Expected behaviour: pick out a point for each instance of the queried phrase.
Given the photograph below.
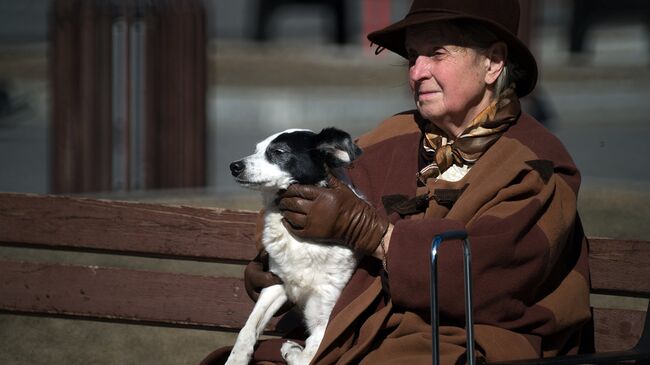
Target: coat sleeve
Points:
(517, 240)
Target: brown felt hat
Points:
(500, 16)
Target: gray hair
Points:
(475, 35)
(503, 81)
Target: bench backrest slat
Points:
(131, 295)
(617, 329)
(122, 227)
(620, 266)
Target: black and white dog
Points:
(313, 274)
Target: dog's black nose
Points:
(236, 168)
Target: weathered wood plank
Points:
(617, 329)
(620, 265)
(122, 294)
(149, 229)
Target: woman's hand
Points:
(257, 276)
(334, 214)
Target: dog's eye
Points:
(278, 151)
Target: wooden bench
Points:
(618, 268)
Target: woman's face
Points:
(448, 80)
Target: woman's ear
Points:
(496, 56)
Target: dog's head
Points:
(295, 156)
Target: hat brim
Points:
(393, 36)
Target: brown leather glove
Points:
(334, 215)
(257, 276)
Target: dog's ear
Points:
(337, 147)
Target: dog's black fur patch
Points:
(307, 155)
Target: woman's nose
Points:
(421, 68)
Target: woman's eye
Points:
(437, 52)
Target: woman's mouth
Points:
(425, 95)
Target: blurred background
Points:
(151, 100)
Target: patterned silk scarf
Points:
(441, 152)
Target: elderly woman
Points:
(467, 157)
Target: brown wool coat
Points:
(529, 256)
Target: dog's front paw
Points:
(291, 352)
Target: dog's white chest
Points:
(305, 268)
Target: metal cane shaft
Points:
(435, 320)
(469, 313)
(467, 276)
